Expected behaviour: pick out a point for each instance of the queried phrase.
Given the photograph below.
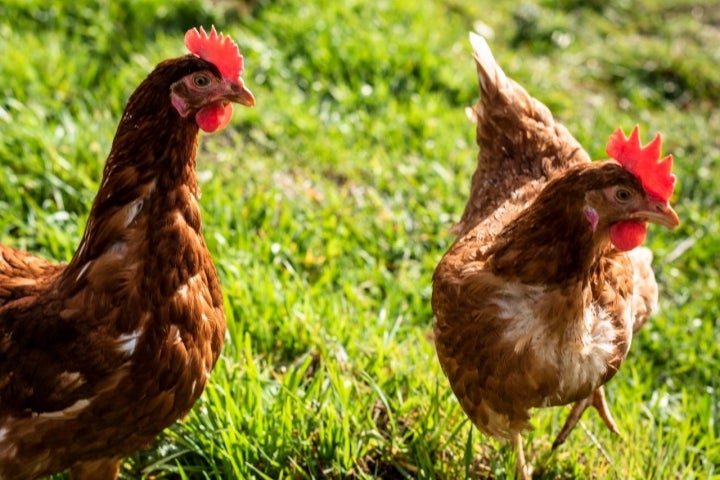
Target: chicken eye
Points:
(622, 195)
(201, 81)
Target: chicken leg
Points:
(595, 399)
(523, 470)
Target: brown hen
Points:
(537, 300)
(99, 356)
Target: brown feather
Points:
(534, 306)
(99, 356)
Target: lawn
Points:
(328, 205)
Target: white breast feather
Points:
(582, 363)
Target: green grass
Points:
(328, 205)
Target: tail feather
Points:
(490, 75)
(521, 144)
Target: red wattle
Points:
(214, 117)
(628, 235)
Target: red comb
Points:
(217, 49)
(643, 162)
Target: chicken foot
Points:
(595, 399)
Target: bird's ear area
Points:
(592, 216)
(180, 105)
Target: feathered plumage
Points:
(535, 303)
(98, 356)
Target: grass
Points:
(328, 205)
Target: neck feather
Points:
(551, 242)
(149, 177)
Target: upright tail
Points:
(491, 77)
(518, 137)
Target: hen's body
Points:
(533, 307)
(99, 356)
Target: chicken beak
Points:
(662, 213)
(239, 93)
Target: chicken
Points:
(98, 356)
(538, 298)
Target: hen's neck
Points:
(148, 179)
(550, 243)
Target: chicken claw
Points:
(595, 399)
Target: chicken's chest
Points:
(183, 340)
(172, 321)
(185, 321)
(563, 346)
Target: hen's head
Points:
(212, 82)
(635, 190)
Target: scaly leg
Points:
(522, 470)
(597, 400)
